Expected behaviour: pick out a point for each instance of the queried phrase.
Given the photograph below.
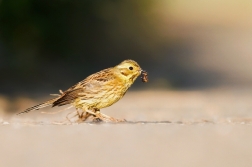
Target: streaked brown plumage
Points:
(99, 90)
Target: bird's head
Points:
(128, 70)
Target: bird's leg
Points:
(93, 113)
(102, 117)
(84, 117)
(98, 116)
(96, 119)
(79, 116)
(111, 119)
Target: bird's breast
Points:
(107, 95)
(111, 96)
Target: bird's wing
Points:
(85, 89)
(67, 97)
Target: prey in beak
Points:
(144, 76)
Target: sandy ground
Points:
(165, 128)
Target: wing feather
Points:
(85, 89)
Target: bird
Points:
(99, 90)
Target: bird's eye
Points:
(131, 68)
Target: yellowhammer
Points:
(99, 90)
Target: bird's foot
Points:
(102, 117)
(97, 120)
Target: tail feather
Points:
(39, 106)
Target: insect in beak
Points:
(144, 76)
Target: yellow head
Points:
(128, 70)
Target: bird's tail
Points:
(39, 106)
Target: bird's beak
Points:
(140, 71)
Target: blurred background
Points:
(51, 45)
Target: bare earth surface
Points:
(164, 128)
